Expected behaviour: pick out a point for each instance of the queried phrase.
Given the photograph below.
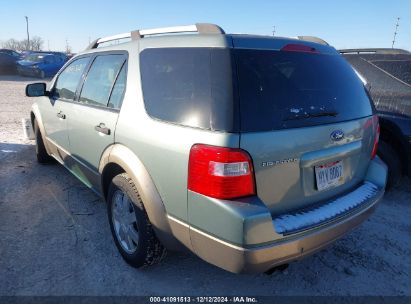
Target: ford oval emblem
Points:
(337, 135)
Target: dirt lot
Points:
(55, 239)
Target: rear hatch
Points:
(306, 120)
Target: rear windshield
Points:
(280, 90)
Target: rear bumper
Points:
(262, 258)
(243, 236)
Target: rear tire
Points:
(387, 153)
(41, 152)
(130, 226)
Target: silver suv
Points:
(250, 151)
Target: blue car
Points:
(41, 64)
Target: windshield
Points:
(280, 90)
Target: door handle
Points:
(102, 129)
(61, 115)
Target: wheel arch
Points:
(392, 135)
(119, 159)
(36, 115)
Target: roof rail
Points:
(201, 28)
(374, 51)
(313, 39)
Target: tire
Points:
(387, 153)
(41, 152)
(130, 226)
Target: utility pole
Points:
(68, 47)
(48, 44)
(28, 36)
(274, 30)
(396, 32)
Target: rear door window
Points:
(118, 90)
(280, 90)
(100, 79)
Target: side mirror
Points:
(36, 89)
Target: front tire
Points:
(41, 152)
(131, 229)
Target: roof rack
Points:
(313, 39)
(374, 51)
(201, 28)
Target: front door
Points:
(55, 109)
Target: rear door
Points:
(306, 122)
(93, 118)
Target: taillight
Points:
(223, 173)
(377, 136)
(299, 48)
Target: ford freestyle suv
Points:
(387, 73)
(250, 151)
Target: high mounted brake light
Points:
(299, 48)
(218, 172)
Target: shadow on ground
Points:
(55, 240)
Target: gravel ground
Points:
(55, 239)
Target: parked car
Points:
(8, 63)
(40, 64)
(251, 151)
(11, 52)
(62, 55)
(388, 74)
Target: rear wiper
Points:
(310, 115)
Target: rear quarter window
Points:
(189, 86)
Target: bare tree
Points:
(36, 44)
(13, 44)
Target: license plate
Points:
(329, 175)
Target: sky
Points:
(343, 24)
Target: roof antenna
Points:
(396, 32)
